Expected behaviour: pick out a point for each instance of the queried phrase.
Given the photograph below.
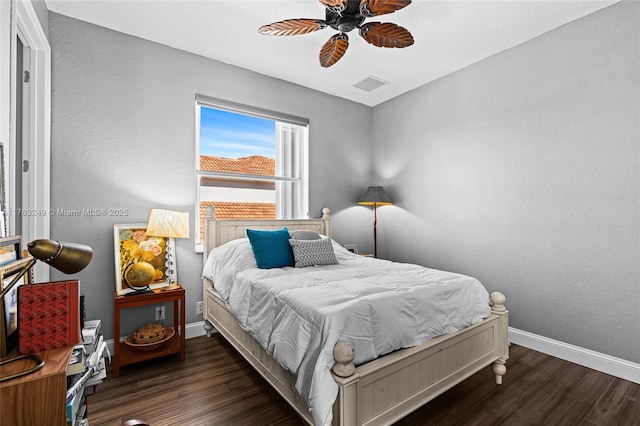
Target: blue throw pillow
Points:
(271, 248)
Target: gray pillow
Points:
(305, 235)
(313, 252)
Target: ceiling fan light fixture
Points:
(346, 24)
(344, 16)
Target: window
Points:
(251, 163)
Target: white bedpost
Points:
(326, 216)
(343, 355)
(499, 369)
(210, 211)
(497, 301)
(210, 215)
(343, 370)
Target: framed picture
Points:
(353, 248)
(132, 247)
(10, 249)
(9, 304)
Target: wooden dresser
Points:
(39, 398)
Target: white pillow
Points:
(305, 235)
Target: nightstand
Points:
(124, 354)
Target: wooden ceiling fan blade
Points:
(386, 35)
(292, 27)
(369, 8)
(336, 6)
(334, 49)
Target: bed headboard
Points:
(218, 232)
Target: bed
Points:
(375, 392)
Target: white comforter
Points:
(299, 314)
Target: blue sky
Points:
(232, 135)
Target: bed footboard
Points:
(384, 390)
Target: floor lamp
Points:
(375, 196)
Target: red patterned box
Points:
(48, 316)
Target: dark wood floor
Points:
(215, 386)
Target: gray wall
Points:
(523, 170)
(123, 138)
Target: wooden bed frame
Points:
(383, 390)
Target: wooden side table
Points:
(124, 354)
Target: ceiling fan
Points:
(344, 16)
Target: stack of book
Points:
(82, 379)
(91, 331)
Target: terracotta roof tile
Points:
(237, 210)
(253, 165)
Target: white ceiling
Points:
(449, 35)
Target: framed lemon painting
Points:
(141, 259)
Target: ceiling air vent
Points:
(370, 83)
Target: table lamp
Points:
(168, 224)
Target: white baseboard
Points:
(618, 367)
(195, 329)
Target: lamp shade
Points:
(375, 195)
(68, 258)
(167, 223)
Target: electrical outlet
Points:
(198, 308)
(159, 313)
